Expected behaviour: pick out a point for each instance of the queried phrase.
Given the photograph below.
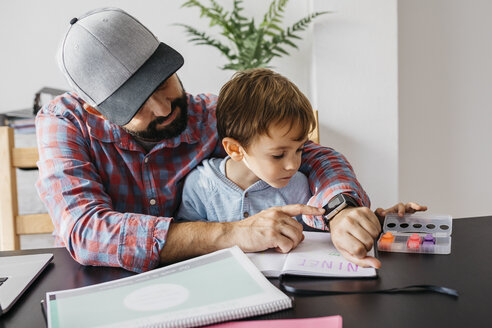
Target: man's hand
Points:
(272, 228)
(353, 232)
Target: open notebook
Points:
(216, 287)
(315, 256)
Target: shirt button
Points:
(245, 194)
(152, 201)
(246, 214)
(146, 160)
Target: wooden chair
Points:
(314, 136)
(11, 223)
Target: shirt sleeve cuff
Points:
(320, 200)
(142, 240)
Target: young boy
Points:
(263, 121)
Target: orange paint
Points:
(386, 240)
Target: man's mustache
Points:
(179, 102)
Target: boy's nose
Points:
(291, 165)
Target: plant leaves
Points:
(250, 45)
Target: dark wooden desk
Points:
(468, 269)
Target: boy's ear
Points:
(233, 148)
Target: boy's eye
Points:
(278, 156)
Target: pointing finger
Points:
(298, 209)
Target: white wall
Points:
(403, 88)
(355, 67)
(30, 32)
(354, 61)
(445, 105)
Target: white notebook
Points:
(221, 286)
(315, 256)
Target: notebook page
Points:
(317, 256)
(269, 262)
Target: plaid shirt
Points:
(111, 202)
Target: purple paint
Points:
(428, 243)
(429, 239)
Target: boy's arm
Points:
(353, 229)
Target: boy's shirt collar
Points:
(258, 185)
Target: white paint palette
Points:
(416, 233)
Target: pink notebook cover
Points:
(325, 322)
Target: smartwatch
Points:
(335, 205)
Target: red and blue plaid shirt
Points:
(111, 202)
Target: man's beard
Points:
(173, 129)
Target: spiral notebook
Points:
(221, 286)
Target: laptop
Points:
(17, 273)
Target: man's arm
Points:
(82, 212)
(353, 229)
(329, 173)
(271, 228)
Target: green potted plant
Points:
(244, 43)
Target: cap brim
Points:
(125, 102)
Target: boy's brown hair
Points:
(257, 98)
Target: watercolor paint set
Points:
(416, 233)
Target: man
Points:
(113, 155)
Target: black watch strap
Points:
(337, 204)
(350, 201)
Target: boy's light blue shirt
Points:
(208, 195)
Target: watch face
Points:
(335, 201)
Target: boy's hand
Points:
(272, 228)
(401, 209)
(353, 232)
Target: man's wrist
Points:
(189, 239)
(336, 205)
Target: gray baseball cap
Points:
(114, 63)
